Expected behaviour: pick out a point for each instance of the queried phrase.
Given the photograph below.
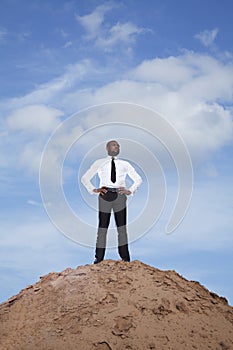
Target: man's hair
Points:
(108, 143)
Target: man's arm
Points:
(89, 174)
(137, 180)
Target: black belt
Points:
(112, 189)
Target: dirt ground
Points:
(116, 305)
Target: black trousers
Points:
(116, 202)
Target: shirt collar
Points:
(110, 157)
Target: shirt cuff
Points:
(90, 190)
(132, 190)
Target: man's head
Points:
(113, 148)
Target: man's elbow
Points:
(83, 180)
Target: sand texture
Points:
(116, 306)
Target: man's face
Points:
(113, 148)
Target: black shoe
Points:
(126, 260)
(97, 261)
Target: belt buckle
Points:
(112, 189)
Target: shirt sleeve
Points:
(137, 180)
(89, 174)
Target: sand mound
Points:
(116, 305)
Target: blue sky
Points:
(60, 57)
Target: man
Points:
(113, 194)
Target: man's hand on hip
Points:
(101, 190)
(123, 190)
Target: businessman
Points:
(113, 193)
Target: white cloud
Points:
(207, 37)
(63, 33)
(34, 203)
(207, 129)
(189, 90)
(3, 34)
(35, 118)
(23, 36)
(52, 91)
(67, 44)
(92, 23)
(107, 36)
(200, 76)
(119, 33)
(171, 71)
(29, 127)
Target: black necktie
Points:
(113, 171)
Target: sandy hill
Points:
(116, 305)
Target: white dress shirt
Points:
(102, 167)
